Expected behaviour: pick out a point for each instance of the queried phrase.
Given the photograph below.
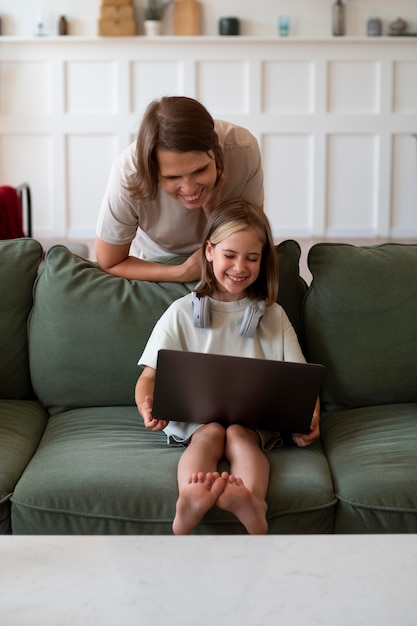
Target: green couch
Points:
(76, 459)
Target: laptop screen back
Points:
(256, 393)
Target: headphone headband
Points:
(250, 322)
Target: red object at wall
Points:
(11, 212)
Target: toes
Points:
(210, 477)
(232, 479)
(236, 480)
(218, 487)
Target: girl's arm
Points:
(144, 397)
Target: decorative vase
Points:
(152, 28)
(338, 15)
(399, 27)
(374, 28)
(229, 26)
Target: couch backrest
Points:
(360, 317)
(19, 262)
(87, 328)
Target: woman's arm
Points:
(115, 259)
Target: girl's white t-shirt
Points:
(274, 339)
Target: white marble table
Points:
(216, 581)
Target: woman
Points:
(163, 188)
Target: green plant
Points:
(155, 9)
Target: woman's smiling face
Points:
(188, 177)
(236, 263)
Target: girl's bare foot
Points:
(248, 508)
(195, 499)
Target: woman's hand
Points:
(190, 270)
(305, 440)
(116, 260)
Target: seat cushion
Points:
(373, 459)
(360, 321)
(19, 262)
(99, 471)
(22, 423)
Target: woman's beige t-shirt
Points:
(163, 226)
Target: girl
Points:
(163, 188)
(239, 271)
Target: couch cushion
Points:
(22, 423)
(373, 458)
(87, 331)
(99, 471)
(88, 328)
(360, 321)
(19, 262)
(291, 286)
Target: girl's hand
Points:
(305, 440)
(212, 200)
(145, 409)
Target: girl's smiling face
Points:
(188, 177)
(236, 262)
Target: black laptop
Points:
(256, 393)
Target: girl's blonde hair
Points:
(177, 124)
(230, 217)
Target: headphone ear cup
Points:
(251, 319)
(201, 311)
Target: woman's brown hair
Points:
(177, 124)
(231, 217)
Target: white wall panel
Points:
(26, 88)
(86, 181)
(289, 191)
(404, 194)
(353, 87)
(335, 118)
(351, 190)
(91, 87)
(153, 79)
(405, 86)
(288, 87)
(223, 86)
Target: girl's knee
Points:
(211, 431)
(215, 428)
(235, 432)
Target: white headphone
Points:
(251, 317)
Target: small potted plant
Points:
(154, 12)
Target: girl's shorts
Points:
(180, 433)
